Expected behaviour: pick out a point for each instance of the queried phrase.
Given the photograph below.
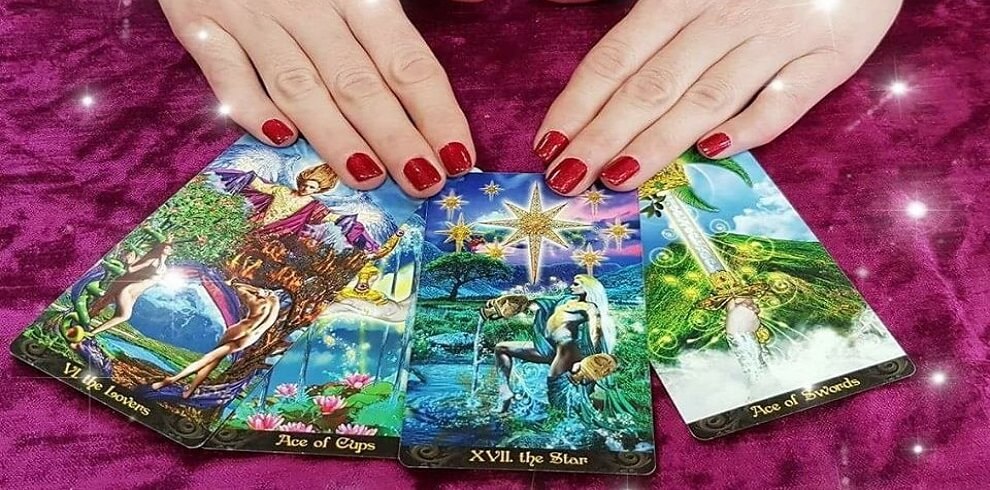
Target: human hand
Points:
(729, 75)
(345, 73)
(742, 316)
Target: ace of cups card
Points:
(528, 347)
(190, 311)
(750, 319)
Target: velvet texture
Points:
(74, 180)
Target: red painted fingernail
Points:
(456, 158)
(564, 177)
(421, 173)
(619, 171)
(277, 131)
(551, 145)
(714, 144)
(362, 167)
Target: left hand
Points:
(676, 72)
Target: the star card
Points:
(339, 390)
(750, 319)
(528, 348)
(190, 310)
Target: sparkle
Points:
(826, 5)
(87, 101)
(594, 197)
(458, 233)
(497, 250)
(172, 281)
(202, 35)
(491, 190)
(535, 225)
(224, 110)
(916, 210)
(938, 378)
(777, 84)
(589, 258)
(451, 202)
(862, 272)
(899, 88)
(917, 449)
(617, 232)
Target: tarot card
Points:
(193, 307)
(749, 318)
(339, 390)
(528, 348)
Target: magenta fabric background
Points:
(73, 181)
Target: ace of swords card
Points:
(190, 311)
(528, 348)
(750, 319)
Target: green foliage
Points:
(461, 268)
(385, 414)
(805, 288)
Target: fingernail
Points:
(362, 167)
(277, 131)
(551, 145)
(714, 144)
(619, 171)
(564, 177)
(456, 158)
(421, 173)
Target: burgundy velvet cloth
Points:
(74, 180)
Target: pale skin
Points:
(742, 316)
(140, 276)
(356, 77)
(262, 313)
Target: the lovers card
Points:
(750, 319)
(190, 311)
(339, 389)
(528, 347)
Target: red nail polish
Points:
(421, 173)
(277, 131)
(714, 144)
(456, 158)
(551, 145)
(619, 171)
(564, 177)
(362, 167)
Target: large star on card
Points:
(535, 225)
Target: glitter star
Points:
(491, 190)
(457, 233)
(497, 250)
(589, 258)
(451, 202)
(594, 197)
(617, 232)
(535, 225)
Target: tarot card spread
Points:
(191, 309)
(339, 389)
(750, 319)
(528, 347)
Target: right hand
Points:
(742, 316)
(343, 72)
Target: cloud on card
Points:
(772, 217)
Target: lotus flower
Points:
(356, 430)
(287, 390)
(329, 404)
(358, 381)
(264, 421)
(296, 427)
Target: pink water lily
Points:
(287, 390)
(358, 381)
(356, 430)
(329, 404)
(296, 427)
(264, 421)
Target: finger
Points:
(796, 89)
(366, 101)
(297, 89)
(718, 95)
(229, 72)
(417, 78)
(611, 61)
(643, 99)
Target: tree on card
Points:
(461, 268)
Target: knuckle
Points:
(357, 83)
(296, 83)
(651, 88)
(711, 94)
(413, 66)
(610, 60)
